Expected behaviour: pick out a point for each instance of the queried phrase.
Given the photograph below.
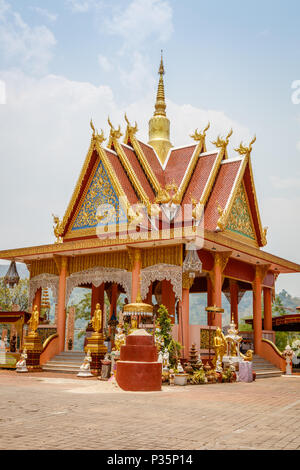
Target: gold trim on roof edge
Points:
(218, 238)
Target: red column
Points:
(217, 289)
(61, 311)
(168, 298)
(148, 299)
(136, 273)
(185, 327)
(234, 301)
(209, 292)
(97, 298)
(113, 303)
(37, 299)
(267, 308)
(257, 317)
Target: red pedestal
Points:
(137, 368)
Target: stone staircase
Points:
(66, 362)
(265, 369)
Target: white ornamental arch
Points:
(160, 272)
(42, 281)
(97, 276)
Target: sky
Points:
(62, 62)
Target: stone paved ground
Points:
(54, 411)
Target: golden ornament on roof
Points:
(242, 150)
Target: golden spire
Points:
(160, 105)
(159, 124)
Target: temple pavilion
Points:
(163, 221)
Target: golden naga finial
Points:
(222, 144)
(57, 229)
(264, 236)
(242, 150)
(200, 137)
(130, 130)
(114, 133)
(100, 137)
(93, 128)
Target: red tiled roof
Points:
(177, 164)
(153, 162)
(136, 166)
(221, 191)
(199, 177)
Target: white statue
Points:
(165, 360)
(199, 361)
(180, 368)
(288, 355)
(160, 357)
(85, 368)
(21, 364)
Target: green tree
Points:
(17, 295)
(278, 308)
(165, 324)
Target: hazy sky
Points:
(65, 61)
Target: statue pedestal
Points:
(137, 368)
(34, 347)
(95, 344)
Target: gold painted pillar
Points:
(136, 273)
(267, 308)
(61, 310)
(234, 301)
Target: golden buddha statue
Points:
(34, 319)
(97, 319)
(220, 345)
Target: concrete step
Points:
(266, 374)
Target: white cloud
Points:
(80, 6)
(104, 63)
(45, 13)
(141, 20)
(30, 47)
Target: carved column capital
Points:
(187, 281)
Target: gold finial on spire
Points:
(160, 105)
(159, 124)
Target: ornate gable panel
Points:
(240, 219)
(100, 192)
